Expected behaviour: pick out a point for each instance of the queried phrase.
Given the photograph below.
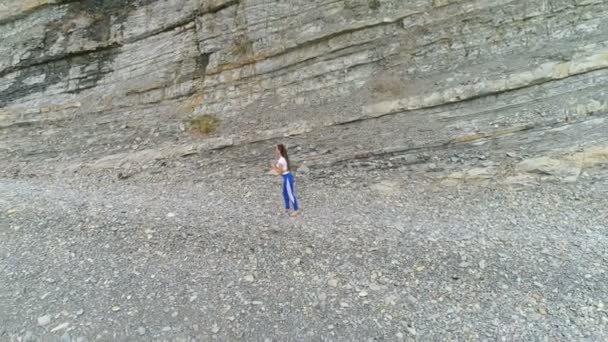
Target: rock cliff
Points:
(104, 81)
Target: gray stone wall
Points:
(99, 77)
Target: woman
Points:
(282, 168)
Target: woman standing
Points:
(282, 167)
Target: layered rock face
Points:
(99, 78)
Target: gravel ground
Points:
(385, 256)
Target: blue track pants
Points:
(289, 195)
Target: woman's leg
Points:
(285, 193)
(291, 191)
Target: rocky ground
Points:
(452, 163)
(380, 254)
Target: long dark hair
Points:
(283, 152)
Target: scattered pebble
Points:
(44, 320)
(60, 326)
(375, 287)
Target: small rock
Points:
(304, 169)
(115, 308)
(363, 294)
(60, 326)
(123, 175)
(44, 320)
(189, 152)
(171, 215)
(65, 337)
(249, 278)
(29, 336)
(79, 312)
(332, 282)
(141, 330)
(215, 328)
(432, 167)
(296, 261)
(375, 287)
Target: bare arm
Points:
(275, 168)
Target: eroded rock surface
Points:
(82, 81)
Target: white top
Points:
(282, 165)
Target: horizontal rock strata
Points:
(99, 80)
